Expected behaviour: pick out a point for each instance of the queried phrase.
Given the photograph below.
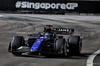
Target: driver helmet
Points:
(48, 35)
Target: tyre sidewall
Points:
(74, 45)
(17, 42)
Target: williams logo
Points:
(37, 5)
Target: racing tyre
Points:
(75, 45)
(65, 49)
(16, 43)
(59, 43)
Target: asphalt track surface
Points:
(88, 27)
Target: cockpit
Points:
(49, 36)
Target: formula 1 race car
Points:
(50, 41)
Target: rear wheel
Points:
(16, 43)
(75, 45)
(59, 43)
(65, 49)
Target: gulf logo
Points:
(38, 41)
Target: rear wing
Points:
(64, 31)
(49, 25)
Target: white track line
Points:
(1, 15)
(91, 58)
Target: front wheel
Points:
(16, 43)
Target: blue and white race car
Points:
(50, 41)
